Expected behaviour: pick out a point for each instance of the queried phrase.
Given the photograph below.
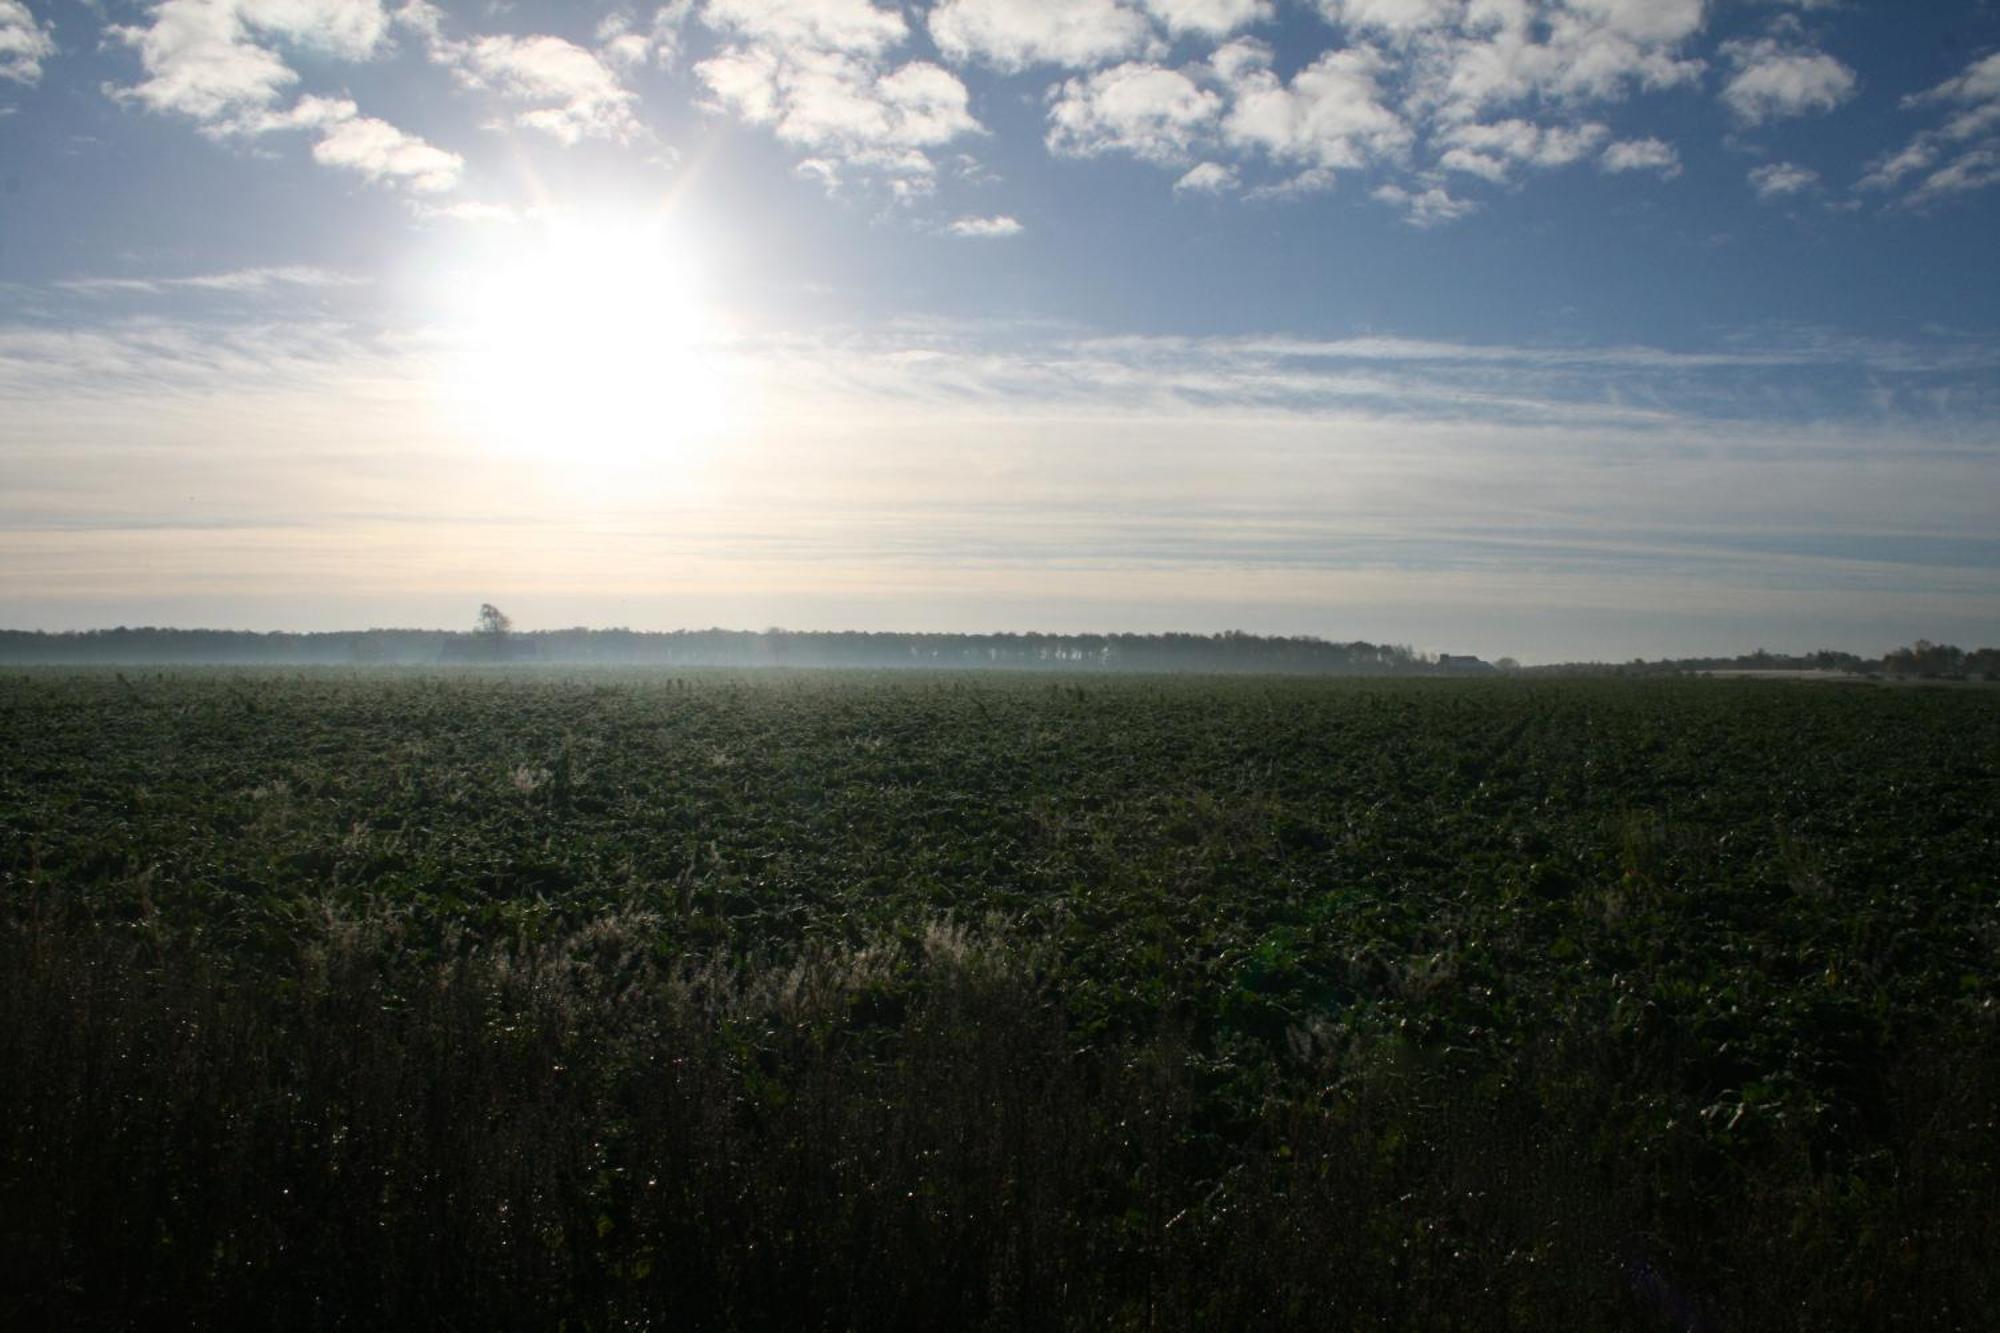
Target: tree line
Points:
(496, 641)
(1920, 660)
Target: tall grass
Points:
(377, 1126)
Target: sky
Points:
(1558, 329)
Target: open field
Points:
(856, 1000)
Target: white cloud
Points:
(1209, 18)
(816, 73)
(1577, 473)
(625, 44)
(1456, 70)
(236, 281)
(211, 60)
(1967, 143)
(1776, 180)
(1153, 113)
(570, 93)
(744, 82)
(1776, 80)
(1330, 116)
(24, 43)
(1492, 150)
(1396, 18)
(1980, 83)
(1919, 154)
(1207, 178)
(1974, 169)
(206, 58)
(373, 148)
(1484, 88)
(1014, 34)
(991, 228)
(1494, 53)
(841, 106)
(1642, 155)
(1427, 206)
(857, 27)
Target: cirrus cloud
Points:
(1960, 155)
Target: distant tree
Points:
(493, 622)
(1508, 664)
(1924, 658)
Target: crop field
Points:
(903, 1000)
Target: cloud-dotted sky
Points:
(1583, 326)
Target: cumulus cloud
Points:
(1207, 178)
(24, 43)
(1412, 90)
(1481, 88)
(825, 100)
(1330, 116)
(986, 229)
(207, 58)
(373, 148)
(1425, 206)
(1011, 35)
(567, 91)
(1153, 113)
(856, 27)
(1209, 18)
(1959, 155)
(625, 43)
(1641, 155)
(1775, 79)
(1492, 150)
(217, 62)
(559, 88)
(847, 110)
(818, 74)
(1776, 180)
(1396, 18)
(1466, 60)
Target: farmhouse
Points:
(1466, 665)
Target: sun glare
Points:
(584, 341)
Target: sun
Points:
(584, 340)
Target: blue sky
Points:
(1554, 328)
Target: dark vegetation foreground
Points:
(893, 1001)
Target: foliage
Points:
(851, 1000)
(493, 622)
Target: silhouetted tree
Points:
(493, 621)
